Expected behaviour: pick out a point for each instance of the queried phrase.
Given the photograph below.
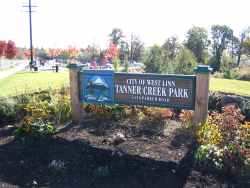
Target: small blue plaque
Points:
(98, 86)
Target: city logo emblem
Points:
(98, 86)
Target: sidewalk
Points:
(25, 67)
(13, 70)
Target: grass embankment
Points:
(237, 87)
(26, 81)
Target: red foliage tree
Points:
(11, 50)
(3, 47)
(112, 51)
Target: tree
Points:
(21, 54)
(222, 37)
(126, 65)
(93, 51)
(28, 53)
(11, 50)
(241, 48)
(112, 51)
(154, 60)
(185, 61)
(3, 47)
(246, 46)
(136, 48)
(71, 53)
(171, 46)
(118, 38)
(197, 42)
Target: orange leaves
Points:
(53, 52)
(28, 53)
(71, 52)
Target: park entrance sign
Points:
(107, 87)
(160, 90)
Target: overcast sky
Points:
(83, 22)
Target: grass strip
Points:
(236, 87)
(23, 81)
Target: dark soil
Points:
(159, 154)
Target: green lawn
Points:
(29, 81)
(237, 87)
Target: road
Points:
(4, 64)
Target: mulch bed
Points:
(159, 154)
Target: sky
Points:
(83, 22)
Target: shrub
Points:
(101, 171)
(61, 104)
(217, 74)
(229, 119)
(243, 74)
(187, 117)
(98, 109)
(159, 113)
(213, 100)
(7, 110)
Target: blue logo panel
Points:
(98, 86)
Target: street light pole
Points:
(31, 51)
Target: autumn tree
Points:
(93, 51)
(11, 50)
(113, 53)
(28, 53)
(21, 53)
(71, 53)
(197, 42)
(3, 47)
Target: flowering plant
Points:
(56, 166)
(119, 153)
(118, 138)
(224, 142)
(34, 125)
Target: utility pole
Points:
(31, 51)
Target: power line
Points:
(31, 51)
